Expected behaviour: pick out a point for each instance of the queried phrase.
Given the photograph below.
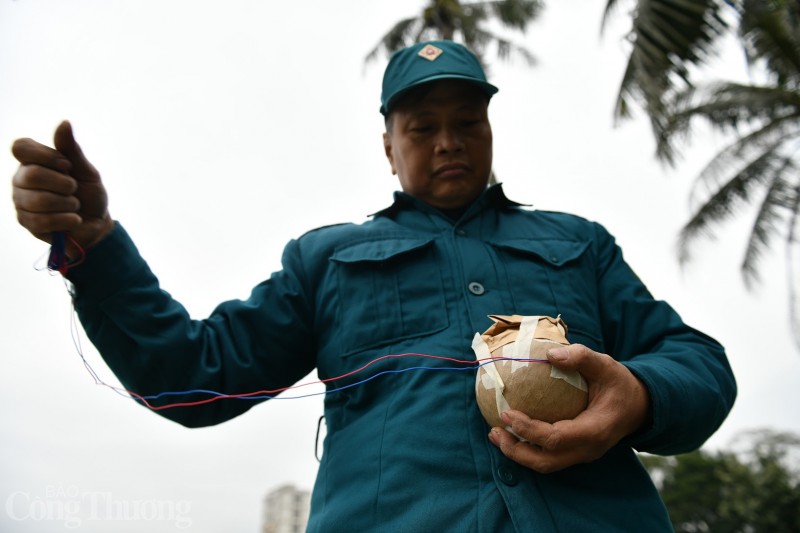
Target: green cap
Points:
(430, 61)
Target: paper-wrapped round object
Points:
(519, 375)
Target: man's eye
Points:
(421, 129)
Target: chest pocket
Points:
(555, 276)
(388, 290)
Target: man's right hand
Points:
(59, 190)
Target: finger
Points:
(43, 225)
(532, 456)
(66, 144)
(555, 446)
(543, 434)
(585, 432)
(39, 201)
(30, 152)
(35, 177)
(590, 364)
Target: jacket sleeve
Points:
(153, 346)
(687, 374)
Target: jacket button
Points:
(476, 288)
(507, 476)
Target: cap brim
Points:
(488, 89)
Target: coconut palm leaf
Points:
(731, 108)
(793, 265)
(402, 32)
(758, 160)
(724, 200)
(465, 22)
(769, 32)
(774, 139)
(667, 38)
(759, 167)
(516, 14)
(479, 39)
(770, 218)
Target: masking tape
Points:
(571, 377)
(491, 379)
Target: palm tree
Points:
(760, 166)
(465, 22)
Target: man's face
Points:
(440, 145)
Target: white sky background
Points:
(223, 129)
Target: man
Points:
(409, 451)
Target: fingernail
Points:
(557, 354)
(494, 435)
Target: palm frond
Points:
(608, 13)
(480, 39)
(771, 213)
(742, 153)
(728, 107)
(770, 32)
(725, 199)
(516, 14)
(397, 37)
(793, 264)
(761, 165)
(464, 21)
(470, 29)
(667, 37)
(627, 94)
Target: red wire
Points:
(274, 392)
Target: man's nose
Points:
(449, 140)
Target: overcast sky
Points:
(222, 130)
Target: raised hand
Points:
(59, 190)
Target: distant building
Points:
(286, 510)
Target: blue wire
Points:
(338, 389)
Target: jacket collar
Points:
(492, 197)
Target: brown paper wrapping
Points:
(537, 388)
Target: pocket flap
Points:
(379, 250)
(557, 252)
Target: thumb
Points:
(91, 193)
(65, 143)
(578, 357)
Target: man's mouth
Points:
(450, 170)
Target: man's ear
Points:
(387, 148)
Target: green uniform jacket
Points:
(408, 451)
